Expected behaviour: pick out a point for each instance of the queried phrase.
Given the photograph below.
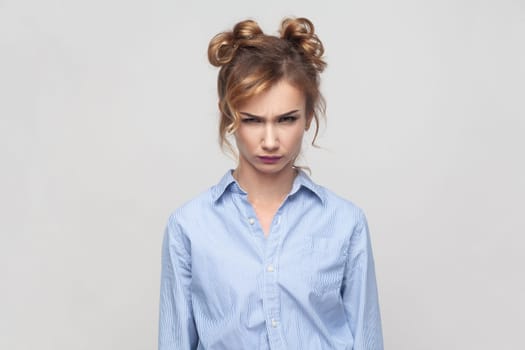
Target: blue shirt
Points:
(310, 284)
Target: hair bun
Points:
(223, 46)
(301, 32)
(246, 30)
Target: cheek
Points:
(297, 141)
(243, 139)
(299, 136)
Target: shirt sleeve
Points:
(359, 291)
(176, 323)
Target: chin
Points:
(272, 169)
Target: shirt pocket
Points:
(324, 264)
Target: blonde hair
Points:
(251, 62)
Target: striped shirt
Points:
(310, 284)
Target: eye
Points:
(250, 120)
(288, 119)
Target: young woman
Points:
(267, 259)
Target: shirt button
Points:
(251, 221)
(270, 268)
(274, 323)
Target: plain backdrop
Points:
(108, 119)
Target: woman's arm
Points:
(176, 323)
(359, 291)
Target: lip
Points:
(269, 159)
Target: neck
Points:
(265, 188)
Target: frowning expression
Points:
(270, 134)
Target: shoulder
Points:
(192, 209)
(344, 206)
(351, 218)
(338, 210)
(198, 214)
(183, 220)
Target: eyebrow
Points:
(278, 116)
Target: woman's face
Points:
(270, 134)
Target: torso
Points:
(308, 253)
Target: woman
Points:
(267, 259)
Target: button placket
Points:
(271, 299)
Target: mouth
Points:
(269, 159)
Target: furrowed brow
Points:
(279, 116)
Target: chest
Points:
(303, 253)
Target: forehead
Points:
(280, 98)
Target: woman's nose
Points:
(270, 141)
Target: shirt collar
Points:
(303, 180)
(228, 182)
(218, 190)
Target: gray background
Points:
(108, 123)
